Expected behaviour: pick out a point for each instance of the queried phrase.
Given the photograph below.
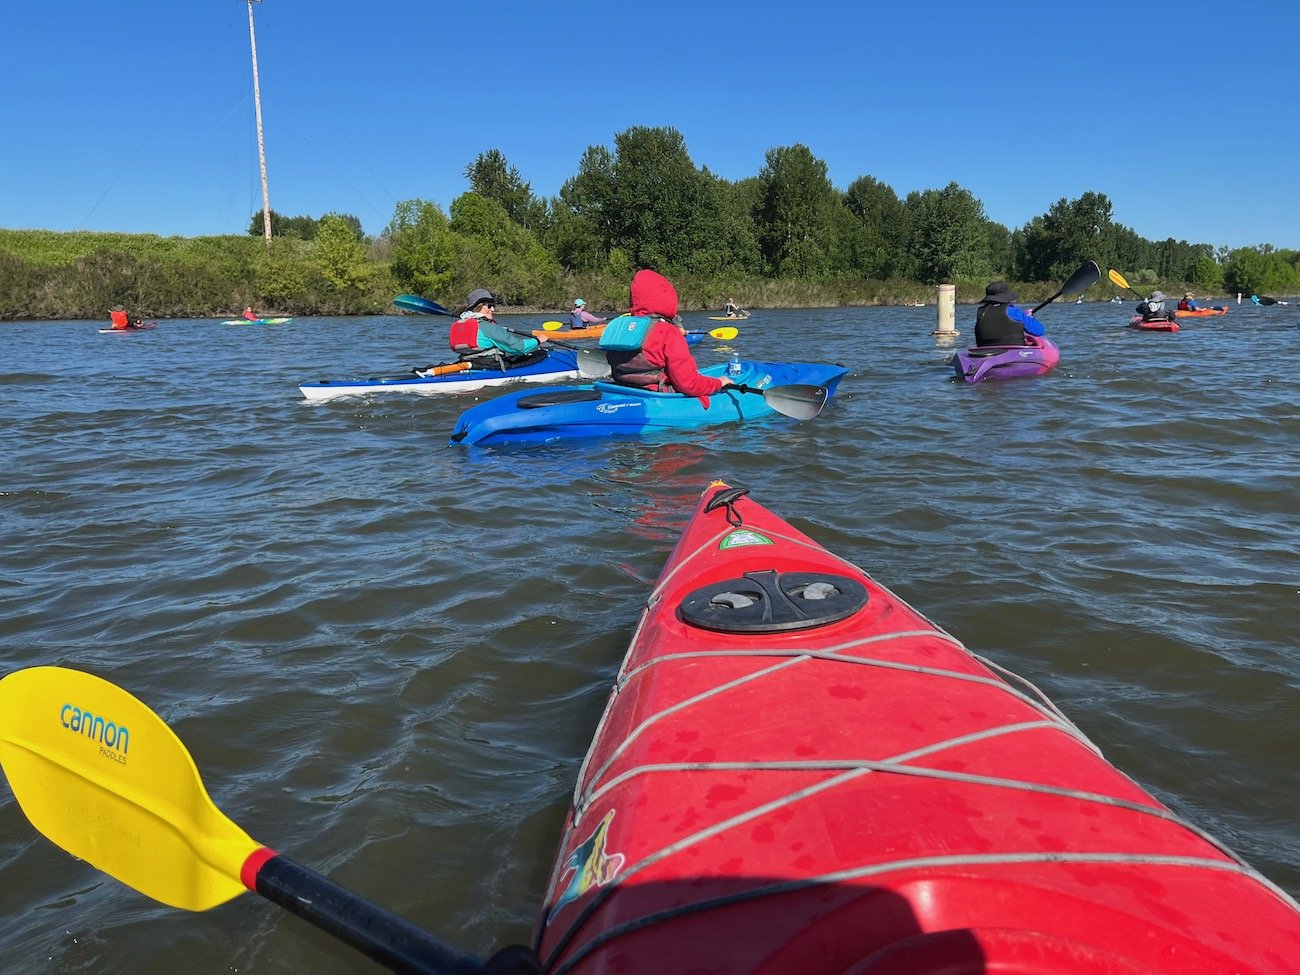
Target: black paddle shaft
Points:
(1080, 280)
(390, 940)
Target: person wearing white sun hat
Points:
(1153, 309)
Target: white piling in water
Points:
(947, 304)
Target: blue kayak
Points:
(605, 409)
(550, 365)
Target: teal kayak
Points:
(605, 409)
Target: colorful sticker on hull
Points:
(590, 866)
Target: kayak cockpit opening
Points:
(557, 397)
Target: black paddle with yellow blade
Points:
(102, 776)
(1121, 281)
(1078, 282)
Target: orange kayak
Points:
(1203, 312)
(569, 334)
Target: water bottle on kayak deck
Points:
(733, 367)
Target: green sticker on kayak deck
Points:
(743, 536)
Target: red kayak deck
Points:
(796, 772)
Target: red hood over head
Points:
(653, 294)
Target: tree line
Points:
(784, 237)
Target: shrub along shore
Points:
(48, 275)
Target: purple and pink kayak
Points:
(1036, 357)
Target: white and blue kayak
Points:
(551, 365)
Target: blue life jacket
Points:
(626, 333)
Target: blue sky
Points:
(137, 115)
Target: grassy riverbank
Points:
(81, 275)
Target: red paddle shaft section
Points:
(248, 872)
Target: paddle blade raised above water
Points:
(1081, 280)
(421, 306)
(102, 776)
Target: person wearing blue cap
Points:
(579, 317)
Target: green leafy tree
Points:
(1246, 271)
(883, 226)
(582, 227)
(339, 256)
(1207, 274)
(796, 214)
(719, 238)
(1001, 250)
(421, 247)
(1071, 232)
(1259, 271)
(732, 228)
(947, 235)
(495, 252)
(492, 177)
(661, 210)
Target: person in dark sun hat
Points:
(476, 336)
(999, 322)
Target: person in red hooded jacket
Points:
(664, 361)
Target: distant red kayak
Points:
(1157, 326)
(796, 772)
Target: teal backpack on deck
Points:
(626, 333)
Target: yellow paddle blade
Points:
(552, 326)
(99, 774)
(1118, 278)
(725, 333)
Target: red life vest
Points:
(464, 336)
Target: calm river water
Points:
(387, 655)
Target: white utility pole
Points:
(261, 146)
